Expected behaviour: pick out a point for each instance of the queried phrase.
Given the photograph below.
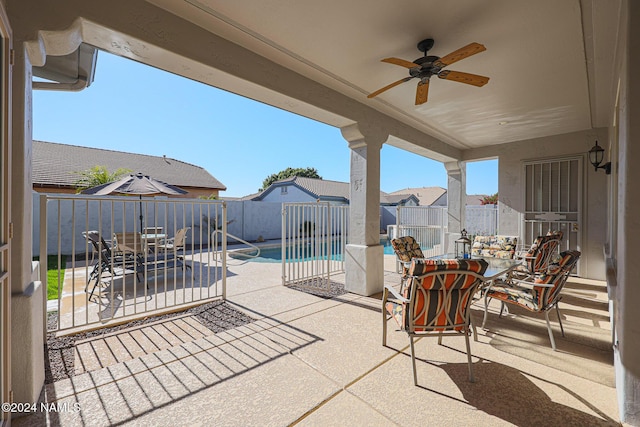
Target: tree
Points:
(97, 175)
(489, 200)
(209, 197)
(287, 173)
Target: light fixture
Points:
(596, 155)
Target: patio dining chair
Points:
(108, 265)
(435, 302)
(129, 243)
(406, 248)
(539, 293)
(176, 242)
(539, 256)
(147, 261)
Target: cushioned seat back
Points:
(406, 248)
(440, 293)
(540, 254)
(556, 274)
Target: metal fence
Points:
(314, 238)
(127, 257)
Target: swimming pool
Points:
(274, 254)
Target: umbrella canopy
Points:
(139, 184)
(134, 184)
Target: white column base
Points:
(364, 269)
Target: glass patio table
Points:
(497, 266)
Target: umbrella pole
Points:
(141, 213)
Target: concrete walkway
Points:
(313, 361)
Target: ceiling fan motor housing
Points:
(426, 68)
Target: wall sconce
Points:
(596, 155)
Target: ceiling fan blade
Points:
(458, 76)
(400, 62)
(387, 87)
(422, 92)
(463, 52)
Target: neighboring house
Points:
(436, 196)
(427, 196)
(55, 168)
(300, 189)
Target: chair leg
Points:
(553, 341)
(384, 318)
(440, 338)
(473, 326)
(466, 339)
(413, 361)
(486, 309)
(559, 319)
(501, 308)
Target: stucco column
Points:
(456, 200)
(28, 295)
(364, 255)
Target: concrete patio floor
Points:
(313, 361)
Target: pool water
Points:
(274, 254)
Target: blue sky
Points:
(135, 108)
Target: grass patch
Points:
(53, 274)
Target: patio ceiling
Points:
(550, 62)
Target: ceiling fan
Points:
(428, 65)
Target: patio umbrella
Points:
(139, 184)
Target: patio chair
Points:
(435, 302)
(406, 248)
(539, 256)
(174, 243)
(539, 293)
(131, 243)
(108, 265)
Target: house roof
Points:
(55, 164)
(426, 195)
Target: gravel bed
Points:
(218, 316)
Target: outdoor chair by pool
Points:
(176, 242)
(435, 302)
(146, 261)
(539, 293)
(406, 248)
(129, 243)
(109, 265)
